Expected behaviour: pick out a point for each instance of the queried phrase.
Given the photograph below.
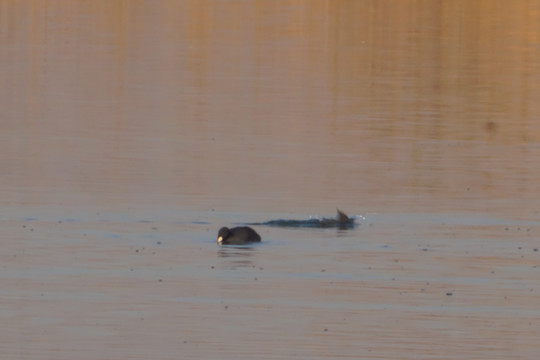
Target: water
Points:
(131, 132)
(397, 286)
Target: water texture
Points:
(130, 132)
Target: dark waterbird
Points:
(237, 236)
(341, 221)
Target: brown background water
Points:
(131, 131)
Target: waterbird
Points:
(237, 236)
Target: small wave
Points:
(341, 221)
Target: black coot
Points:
(237, 236)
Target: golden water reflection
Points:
(356, 104)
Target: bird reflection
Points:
(238, 256)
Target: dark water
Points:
(132, 131)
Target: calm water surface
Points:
(132, 131)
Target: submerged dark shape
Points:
(237, 236)
(341, 221)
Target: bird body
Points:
(237, 236)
